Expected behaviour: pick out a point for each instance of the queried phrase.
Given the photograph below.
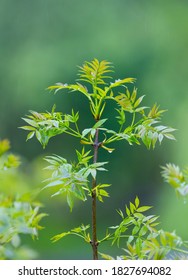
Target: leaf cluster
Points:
(17, 217)
(49, 124)
(72, 179)
(144, 125)
(139, 233)
(8, 160)
(176, 178)
(80, 231)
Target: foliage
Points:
(176, 178)
(72, 179)
(18, 215)
(136, 123)
(142, 238)
(10, 160)
(143, 126)
(79, 231)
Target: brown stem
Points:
(94, 242)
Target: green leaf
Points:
(27, 127)
(100, 192)
(169, 136)
(135, 230)
(81, 228)
(133, 96)
(59, 236)
(138, 246)
(139, 216)
(54, 184)
(130, 239)
(144, 208)
(138, 101)
(128, 211)
(31, 122)
(93, 131)
(98, 164)
(99, 123)
(30, 135)
(152, 219)
(86, 131)
(132, 207)
(121, 118)
(93, 173)
(70, 200)
(120, 213)
(106, 257)
(120, 82)
(137, 202)
(143, 231)
(103, 193)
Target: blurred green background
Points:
(43, 42)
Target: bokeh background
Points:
(43, 42)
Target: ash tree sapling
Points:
(79, 179)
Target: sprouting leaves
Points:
(141, 237)
(66, 179)
(128, 101)
(49, 124)
(176, 178)
(134, 219)
(83, 157)
(143, 124)
(80, 231)
(101, 192)
(93, 168)
(92, 131)
(120, 82)
(17, 216)
(95, 72)
(75, 87)
(155, 113)
(145, 127)
(150, 133)
(71, 179)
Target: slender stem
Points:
(112, 139)
(120, 129)
(94, 241)
(76, 125)
(133, 119)
(73, 132)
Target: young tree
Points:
(79, 180)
